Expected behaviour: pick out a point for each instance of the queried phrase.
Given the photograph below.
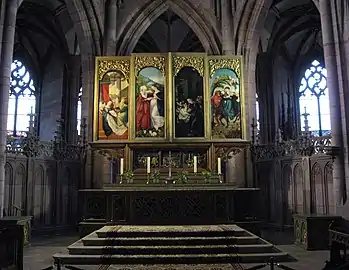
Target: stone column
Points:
(266, 99)
(111, 9)
(6, 54)
(335, 32)
(74, 84)
(227, 28)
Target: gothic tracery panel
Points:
(39, 196)
(298, 189)
(317, 190)
(328, 185)
(19, 189)
(9, 187)
(287, 194)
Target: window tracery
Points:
(22, 100)
(314, 100)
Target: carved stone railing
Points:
(301, 147)
(31, 146)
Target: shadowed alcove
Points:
(169, 33)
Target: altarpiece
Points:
(182, 104)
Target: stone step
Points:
(78, 248)
(170, 231)
(168, 259)
(170, 241)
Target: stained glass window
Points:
(22, 100)
(78, 118)
(314, 100)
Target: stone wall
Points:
(43, 188)
(42, 180)
(293, 183)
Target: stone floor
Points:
(39, 255)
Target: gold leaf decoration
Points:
(219, 63)
(158, 62)
(228, 152)
(122, 65)
(111, 153)
(196, 62)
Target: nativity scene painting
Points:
(113, 107)
(150, 103)
(225, 105)
(189, 104)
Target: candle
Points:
(305, 109)
(121, 166)
(195, 164)
(219, 165)
(148, 164)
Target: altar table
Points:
(170, 205)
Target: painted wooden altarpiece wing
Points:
(112, 99)
(148, 105)
(189, 95)
(226, 98)
(150, 96)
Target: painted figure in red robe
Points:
(143, 121)
(216, 101)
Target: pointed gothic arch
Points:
(141, 22)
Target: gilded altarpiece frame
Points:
(189, 97)
(150, 97)
(111, 100)
(227, 117)
(124, 76)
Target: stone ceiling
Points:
(293, 29)
(44, 27)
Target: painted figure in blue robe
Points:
(231, 105)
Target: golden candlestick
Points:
(220, 175)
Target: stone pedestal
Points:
(311, 231)
(11, 247)
(24, 221)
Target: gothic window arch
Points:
(314, 100)
(22, 100)
(78, 115)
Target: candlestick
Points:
(219, 166)
(121, 166)
(195, 164)
(148, 165)
(148, 178)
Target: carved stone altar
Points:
(23, 222)
(204, 204)
(311, 231)
(159, 118)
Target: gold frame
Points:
(127, 65)
(189, 60)
(135, 68)
(103, 65)
(223, 61)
